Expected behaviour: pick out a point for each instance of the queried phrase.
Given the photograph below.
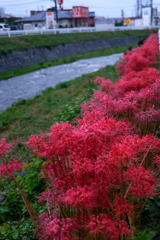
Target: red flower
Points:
(111, 229)
(121, 206)
(4, 147)
(142, 182)
(9, 168)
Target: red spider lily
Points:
(7, 169)
(10, 168)
(101, 171)
(98, 159)
(141, 57)
(4, 147)
(143, 183)
(111, 229)
(135, 97)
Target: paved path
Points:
(31, 84)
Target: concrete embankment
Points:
(22, 58)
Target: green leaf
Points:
(3, 209)
(5, 227)
(158, 203)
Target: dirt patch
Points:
(15, 40)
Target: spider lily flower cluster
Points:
(136, 96)
(101, 172)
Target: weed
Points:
(143, 235)
(17, 230)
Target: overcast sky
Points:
(106, 8)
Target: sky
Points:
(106, 8)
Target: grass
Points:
(37, 115)
(98, 53)
(51, 40)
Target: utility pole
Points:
(151, 6)
(55, 1)
(122, 14)
(139, 8)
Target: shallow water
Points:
(29, 85)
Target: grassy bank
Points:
(61, 103)
(98, 53)
(38, 114)
(50, 40)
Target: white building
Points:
(47, 20)
(146, 16)
(106, 22)
(136, 21)
(2, 13)
(147, 19)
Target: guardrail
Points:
(70, 30)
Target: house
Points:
(75, 17)
(46, 19)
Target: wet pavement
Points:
(31, 84)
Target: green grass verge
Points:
(98, 53)
(37, 115)
(50, 40)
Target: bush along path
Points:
(101, 173)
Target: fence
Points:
(70, 30)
